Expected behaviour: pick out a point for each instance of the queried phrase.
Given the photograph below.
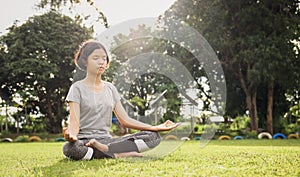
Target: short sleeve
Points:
(115, 94)
(73, 94)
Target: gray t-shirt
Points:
(95, 109)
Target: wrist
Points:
(153, 128)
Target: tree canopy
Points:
(57, 4)
(255, 41)
(38, 64)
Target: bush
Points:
(23, 138)
(4, 133)
(251, 134)
(233, 133)
(43, 135)
(240, 122)
(224, 128)
(291, 128)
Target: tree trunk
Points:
(6, 118)
(18, 124)
(270, 107)
(50, 125)
(251, 106)
(53, 126)
(1, 126)
(250, 93)
(54, 114)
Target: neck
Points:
(93, 79)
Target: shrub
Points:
(43, 135)
(224, 128)
(240, 122)
(233, 133)
(23, 138)
(291, 128)
(251, 134)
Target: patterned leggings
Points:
(138, 142)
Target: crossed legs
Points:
(126, 146)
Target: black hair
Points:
(85, 50)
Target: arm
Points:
(72, 131)
(128, 122)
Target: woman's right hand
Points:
(69, 136)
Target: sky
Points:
(116, 11)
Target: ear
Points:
(84, 62)
(107, 65)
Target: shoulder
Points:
(77, 84)
(74, 93)
(109, 85)
(76, 87)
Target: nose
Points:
(102, 62)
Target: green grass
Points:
(218, 158)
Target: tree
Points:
(39, 63)
(147, 84)
(253, 40)
(57, 4)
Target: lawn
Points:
(217, 158)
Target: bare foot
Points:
(128, 154)
(97, 145)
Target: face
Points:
(97, 62)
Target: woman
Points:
(91, 103)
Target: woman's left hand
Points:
(166, 126)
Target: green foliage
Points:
(144, 87)
(251, 134)
(58, 4)
(256, 41)
(291, 128)
(295, 111)
(240, 123)
(39, 64)
(139, 102)
(224, 129)
(22, 138)
(4, 133)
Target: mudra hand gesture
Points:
(166, 126)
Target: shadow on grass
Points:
(61, 166)
(67, 167)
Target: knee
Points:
(153, 139)
(75, 150)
